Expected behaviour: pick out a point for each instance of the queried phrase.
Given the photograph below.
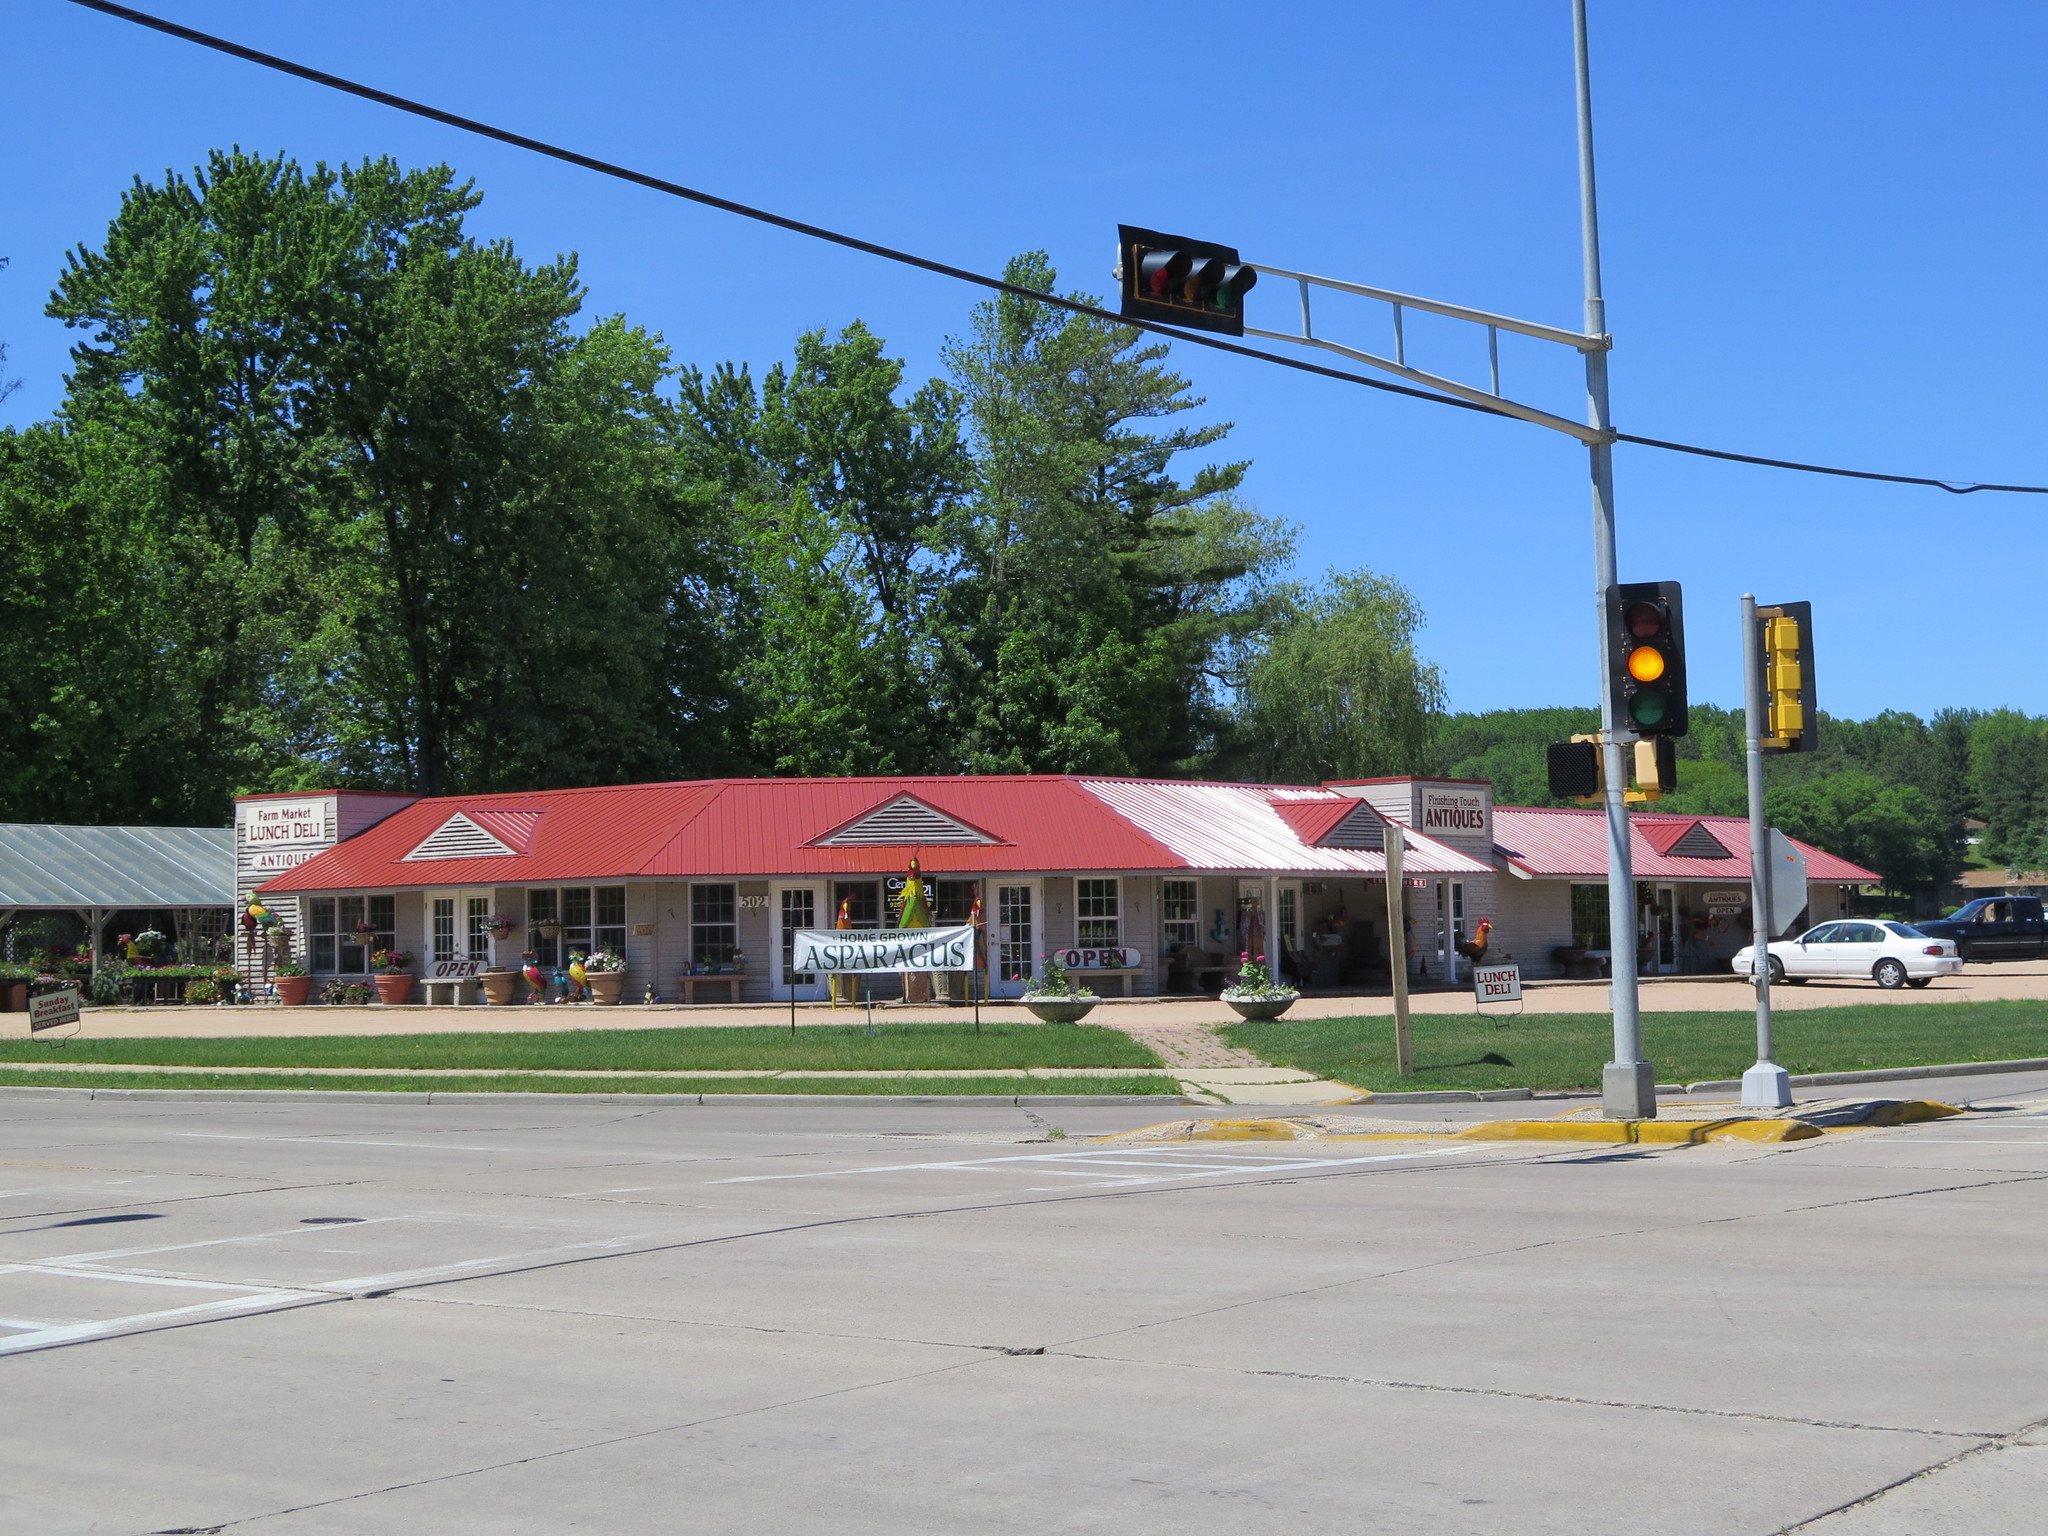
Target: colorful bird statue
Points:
(915, 913)
(579, 978)
(840, 982)
(534, 979)
(264, 916)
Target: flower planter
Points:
(393, 987)
(606, 986)
(1261, 1008)
(1060, 1010)
(293, 991)
(499, 986)
(14, 994)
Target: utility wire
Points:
(888, 253)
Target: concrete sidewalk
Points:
(2015, 980)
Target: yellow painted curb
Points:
(1908, 1111)
(1639, 1132)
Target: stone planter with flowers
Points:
(1254, 994)
(1052, 997)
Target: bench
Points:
(686, 987)
(453, 985)
(1130, 975)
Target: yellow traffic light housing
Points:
(1785, 636)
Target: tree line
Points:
(1916, 800)
(340, 494)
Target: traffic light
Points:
(1176, 281)
(1785, 642)
(1575, 769)
(1644, 634)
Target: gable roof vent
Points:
(905, 819)
(460, 838)
(1698, 843)
(1362, 827)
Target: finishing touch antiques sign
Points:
(1453, 812)
(883, 949)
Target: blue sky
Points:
(1823, 226)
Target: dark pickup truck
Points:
(1993, 928)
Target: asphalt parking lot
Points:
(848, 1317)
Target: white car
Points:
(1890, 954)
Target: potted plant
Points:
(293, 984)
(1254, 994)
(499, 986)
(394, 981)
(499, 926)
(147, 945)
(202, 989)
(1052, 996)
(548, 928)
(605, 974)
(343, 993)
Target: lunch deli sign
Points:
(275, 835)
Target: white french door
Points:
(1012, 926)
(458, 927)
(796, 906)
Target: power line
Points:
(924, 263)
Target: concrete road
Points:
(838, 1317)
(1995, 981)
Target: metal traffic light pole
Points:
(1629, 1090)
(1765, 1085)
(1628, 1085)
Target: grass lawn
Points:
(815, 1047)
(1567, 1050)
(922, 1087)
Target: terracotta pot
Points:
(1053, 1010)
(1261, 1008)
(393, 987)
(607, 986)
(499, 987)
(293, 991)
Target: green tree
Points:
(1337, 691)
(1090, 591)
(2009, 777)
(1891, 828)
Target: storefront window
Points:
(862, 900)
(1589, 917)
(714, 924)
(953, 901)
(336, 926)
(1099, 924)
(586, 919)
(1180, 903)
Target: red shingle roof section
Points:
(1573, 843)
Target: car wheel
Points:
(1890, 975)
(1918, 981)
(1776, 968)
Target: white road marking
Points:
(72, 1333)
(338, 1141)
(402, 1277)
(210, 1242)
(1037, 1162)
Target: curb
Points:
(1666, 1133)
(1885, 1074)
(659, 1100)
(1448, 1096)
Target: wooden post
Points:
(1397, 950)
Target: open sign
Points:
(454, 970)
(1497, 983)
(1114, 959)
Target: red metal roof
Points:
(1569, 842)
(732, 828)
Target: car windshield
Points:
(1906, 930)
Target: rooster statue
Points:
(1474, 948)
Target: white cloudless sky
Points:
(1823, 226)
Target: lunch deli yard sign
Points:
(884, 949)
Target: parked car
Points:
(1993, 928)
(1890, 954)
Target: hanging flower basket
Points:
(548, 930)
(499, 926)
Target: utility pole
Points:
(1765, 1085)
(1628, 1085)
